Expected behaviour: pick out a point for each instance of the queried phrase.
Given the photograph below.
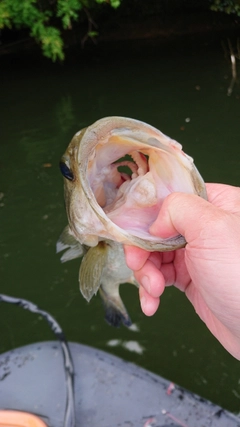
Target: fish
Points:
(117, 172)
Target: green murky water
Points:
(42, 106)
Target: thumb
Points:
(184, 214)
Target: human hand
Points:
(207, 269)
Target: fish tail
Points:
(115, 312)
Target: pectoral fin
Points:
(115, 311)
(68, 241)
(91, 270)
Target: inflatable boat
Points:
(61, 384)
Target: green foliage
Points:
(47, 19)
(5, 16)
(68, 11)
(227, 6)
(38, 15)
(93, 33)
(113, 3)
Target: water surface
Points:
(182, 91)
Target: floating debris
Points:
(133, 346)
(134, 327)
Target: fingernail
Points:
(143, 302)
(146, 284)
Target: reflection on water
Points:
(181, 91)
(65, 114)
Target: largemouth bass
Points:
(117, 173)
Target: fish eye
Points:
(66, 171)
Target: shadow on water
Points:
(182, 90)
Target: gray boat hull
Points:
(109, 392)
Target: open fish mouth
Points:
(127, 169)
